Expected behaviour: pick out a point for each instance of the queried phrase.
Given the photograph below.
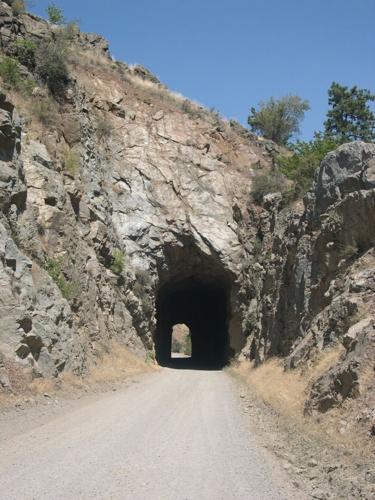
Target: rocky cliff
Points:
(118, 196)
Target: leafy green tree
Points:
(278, 120)
(350, 117)
(301, 165)
(55, 14)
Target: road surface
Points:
(175, 435)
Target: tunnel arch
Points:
(197, 288)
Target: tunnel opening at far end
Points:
(204, 307)
(181, 341)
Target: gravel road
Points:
(177, 434)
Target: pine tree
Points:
(350, 117)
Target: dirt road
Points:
(177, 434)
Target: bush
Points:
(55, 14)
(45, 111)
(69, 289)
(104, 128)
(50, 65)
(263, 184)
(71, 161)
(18, 7)
(25, 52)
(27, 86)
(10, 72)
(300, 167)
(11, 75)
(118, 261)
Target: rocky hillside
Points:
(116, 193)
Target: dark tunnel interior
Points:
(203, 306)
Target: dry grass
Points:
(282, 390)
(93, 61)
(286, 390)
(115, 364)
(89, 60)
(40, 386)
(40, 114)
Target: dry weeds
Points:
(285, 391)
(115, 364)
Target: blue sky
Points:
(231, 54)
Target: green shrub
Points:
(118, 261)
(103, 128)
(10, 72)
(27, 86)
(55, 14)
(12, 77)
(71, 161)
(45, 111)
(18, 7)
(301, 165)
(25, 51)
(50, 65)
(263, 184)
(69, 289)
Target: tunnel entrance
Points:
(204, 307)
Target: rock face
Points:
(312, 280)
(120, 169)
(120, 196)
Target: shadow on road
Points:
(183, 363)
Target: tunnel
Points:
(204, 306)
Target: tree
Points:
(350, 117)
(55, 14)
(278, 120)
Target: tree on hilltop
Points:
(278, 120)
